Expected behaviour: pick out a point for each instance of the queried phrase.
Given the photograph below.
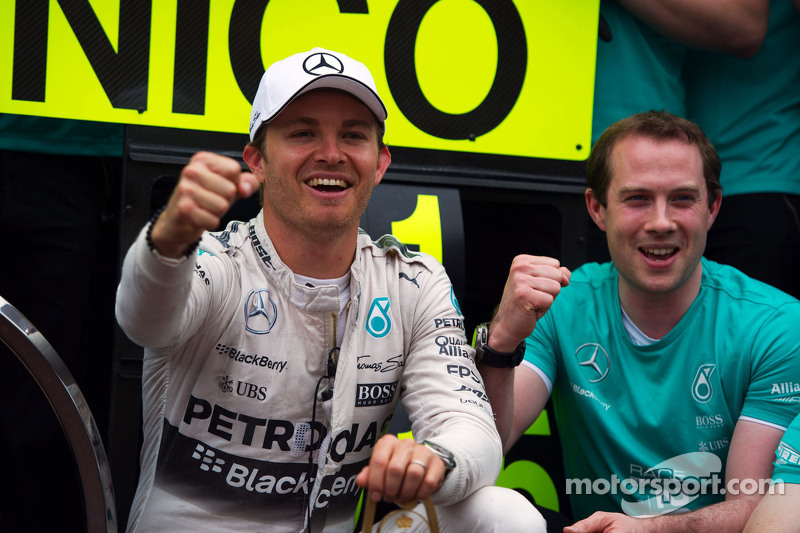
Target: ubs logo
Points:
(322, 63)
(260, 312)
(595, 361)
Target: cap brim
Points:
(342, 83)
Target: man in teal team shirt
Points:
(672, 376)
(779, 510)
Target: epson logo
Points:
(368, 394)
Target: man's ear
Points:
(384, 159)
(252, 156)
(713, 210)
(596, 209)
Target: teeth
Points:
(659, 251)
(316, 182)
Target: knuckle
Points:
(396, 470)
(378, 461)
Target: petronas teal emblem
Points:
(378, 321)
(454, 301)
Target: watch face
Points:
(443, 454)
(480, 340)
(481, 336)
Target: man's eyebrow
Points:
(634, 189)
(687, 188)
(308, 121)
(628, 190)
(356, 123)
(349, 123)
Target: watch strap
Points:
(485, 355)
(497, 359)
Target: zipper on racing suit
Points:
(327, 407)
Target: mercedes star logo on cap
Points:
(321, 63)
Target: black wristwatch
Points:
(442, 453)
(486, 356)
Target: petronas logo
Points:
(701, 386)
(379, 324)
(454, 301)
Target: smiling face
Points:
(320, 165)
(657, 215)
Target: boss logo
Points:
(709, 421)
(368, 394)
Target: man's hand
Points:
(394, 475)
(207, 188)
(607, 523)
(532, 285)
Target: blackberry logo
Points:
(250, 359)
(208, 459)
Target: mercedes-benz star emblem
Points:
(595, 359)
(321, 63)
(260, 312)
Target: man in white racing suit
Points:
(277, 350)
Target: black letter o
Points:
(401, 73)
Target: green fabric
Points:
(750, 108)
(638, 70)
(787, 456)
(681, 395)
(60, 136)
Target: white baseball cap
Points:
(318, 68)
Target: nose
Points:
(329, 150)
(660, 219)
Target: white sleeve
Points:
(152, 305)
(541, 374)
(444, 395)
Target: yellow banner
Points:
(483, 76)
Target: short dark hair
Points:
(659, 125)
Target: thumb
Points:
(247, 184)
(565, 276)
(362, 479)
(596, 522)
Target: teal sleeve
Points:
(787, 456)
(774, 392)
(541, 346)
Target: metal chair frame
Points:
(72, 411)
